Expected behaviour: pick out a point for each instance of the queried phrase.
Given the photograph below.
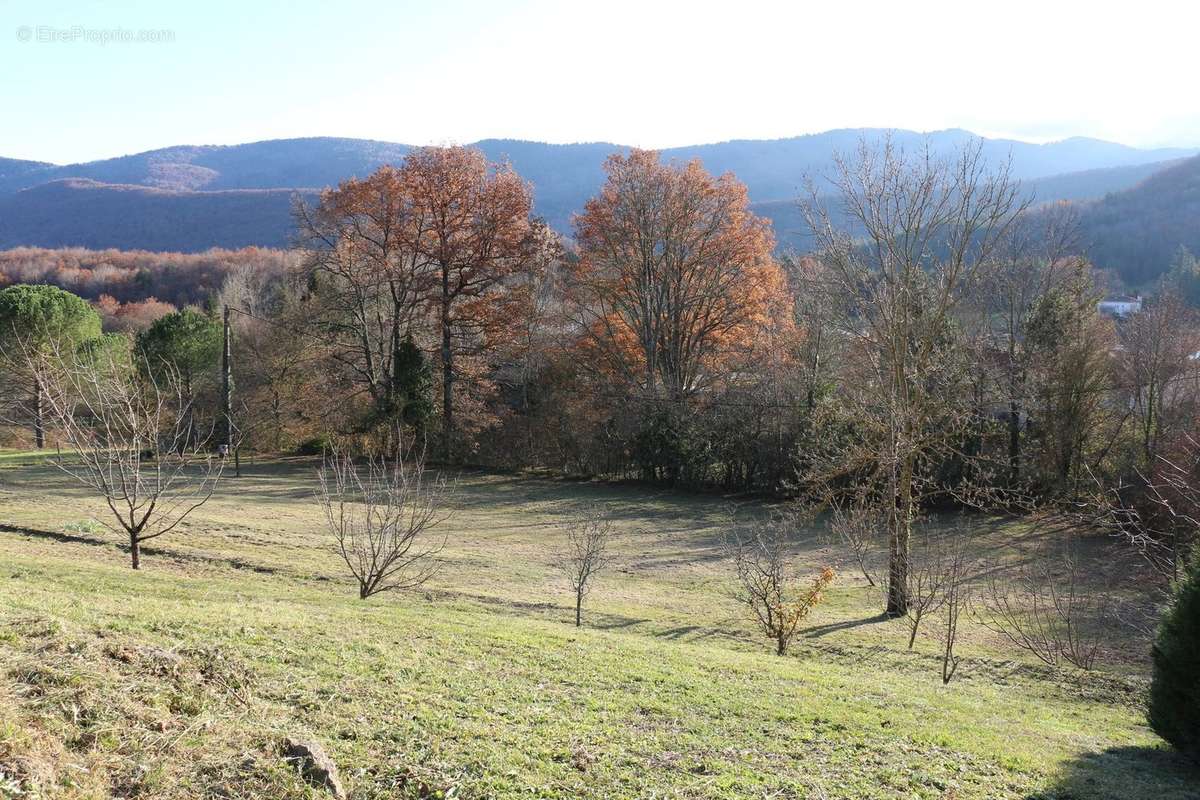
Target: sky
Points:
(86, 80)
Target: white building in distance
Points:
(1120, 306)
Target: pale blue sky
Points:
(628, 71)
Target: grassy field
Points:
(181, 680)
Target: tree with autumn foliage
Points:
(473, 233)
(677, 304)
(432, 253)
(371, 285)
(674, 276)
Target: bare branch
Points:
(381, 514)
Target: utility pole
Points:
(226, 445)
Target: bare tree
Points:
(1031, 263)
(769, 584)
(1042, 605)
(131, 438)
(931, 571)
(1071, 346)
(857, 524)
(956, 598)
(381, 514)
(273, 361)
(1159, 345)
(1157, 514)
(922, 231)
(818, 353)
(586, 553)
(1175, 489)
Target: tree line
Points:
(940, 342)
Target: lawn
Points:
(181, 680)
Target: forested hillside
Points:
(190, 198)
(85, 213)
(1138, 231)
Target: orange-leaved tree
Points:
(475, 235)
(673, 276)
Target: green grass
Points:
(10, 457)
(180, 681)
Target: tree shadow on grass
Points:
(1127, 773)
(147, 550)
(817, 631)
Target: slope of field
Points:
(182, 680)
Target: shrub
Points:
(381, 514)
(315, 445)
(769, 585)
(1046, 606)
(1175, 688)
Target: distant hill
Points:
(1132, 219)
(1093, 184)
(1088, 185)
(13, 169)
(775, 170)
(277, 164)
(189, 198)
(1138, 231)
(84, 213)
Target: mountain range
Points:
(190, 198)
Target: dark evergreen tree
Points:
(184, 346)
(1175, 689)
(412, 385)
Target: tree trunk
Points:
(897, 599)
(189, 423)
(578, 609)
(780, 645)
(898, 543)
(900, 495)
(1014, 443)
(394, 402)
(39, 428)
(226, 384)
(1153, 401)
(135, 551)
(447, 370)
